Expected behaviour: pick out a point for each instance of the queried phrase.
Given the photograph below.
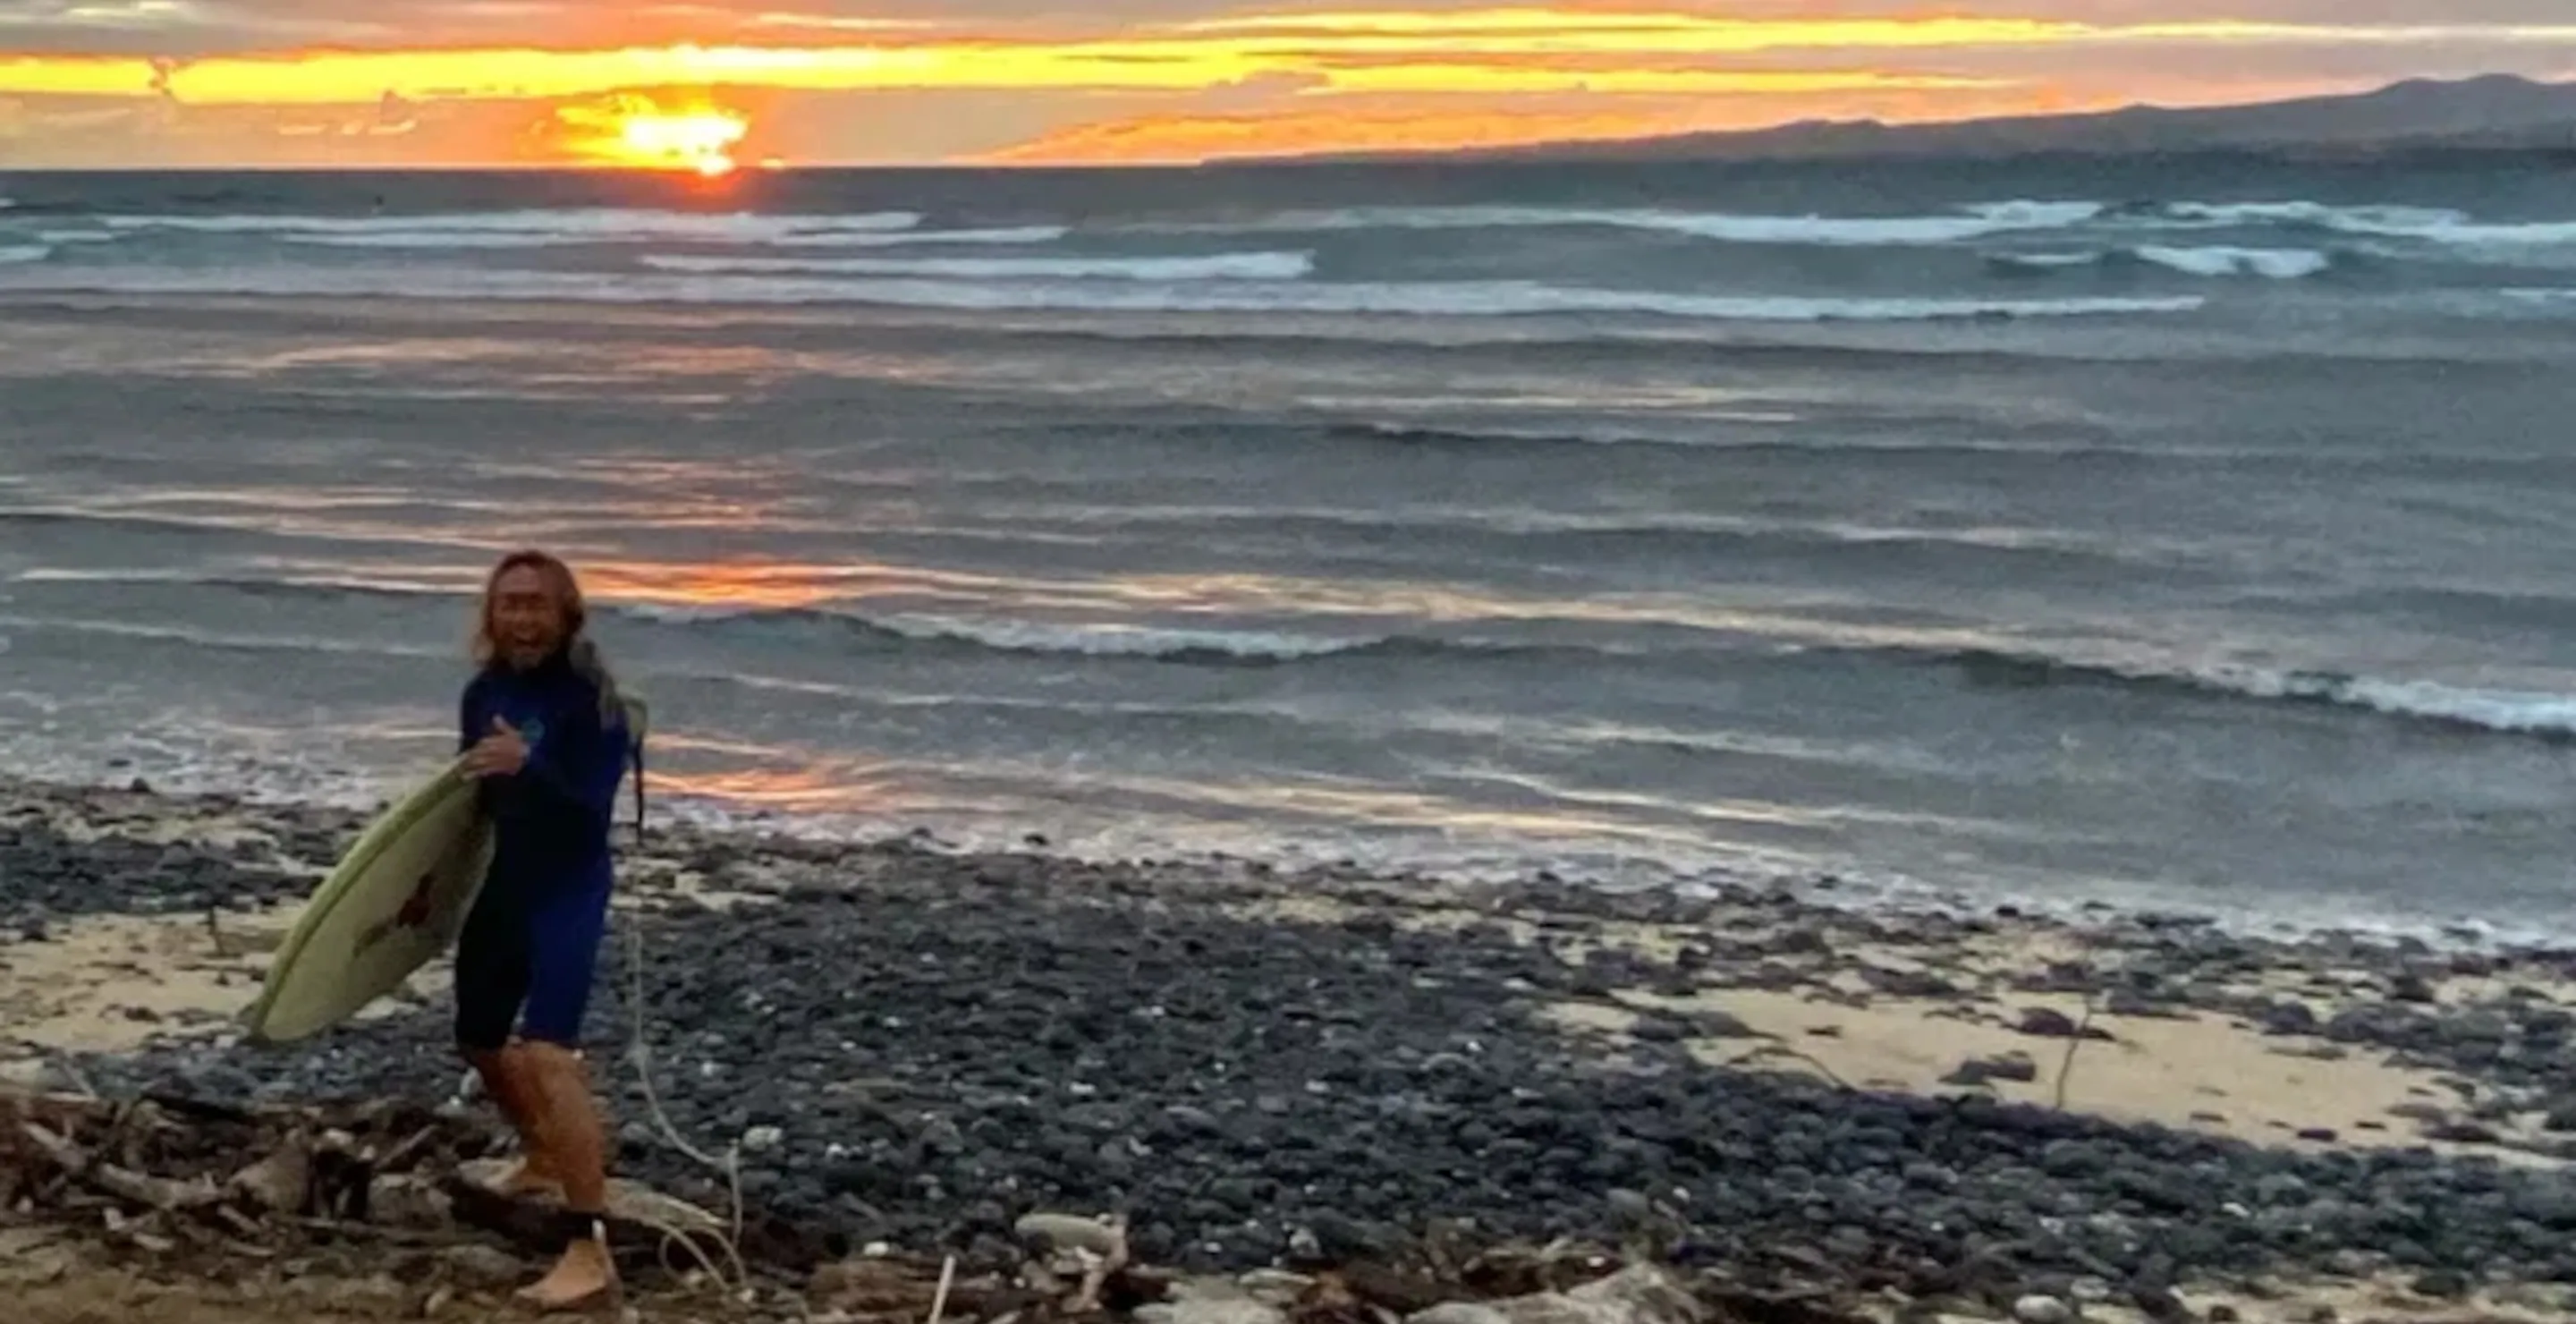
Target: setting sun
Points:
(701, 141)
(633, 132)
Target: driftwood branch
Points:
(156, 1192)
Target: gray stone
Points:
(1459, 1312)
(2037, 1309)
(406, 1201)
(482, 1266)
(1210, 1307)
(1071, 1232)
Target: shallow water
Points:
(2177, 538)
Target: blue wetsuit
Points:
(533, 938)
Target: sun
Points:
(633, 132)
(702, 141)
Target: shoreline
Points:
(916, 1046)
(122, 792)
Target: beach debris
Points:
(167, 1175)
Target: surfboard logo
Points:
(414, 914)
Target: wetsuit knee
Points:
(564, 941)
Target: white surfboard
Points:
(397, 900)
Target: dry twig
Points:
(2066, 1066)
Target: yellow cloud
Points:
(1525, 80)
(1492, 51)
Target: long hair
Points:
(579, 651)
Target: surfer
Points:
(544, 731)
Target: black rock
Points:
(2283, 1016)
(2410, 987)
(2046, 1023)
(1979, 1070)
(2447, 1284)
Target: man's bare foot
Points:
(584, 1279)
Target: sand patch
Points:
(2383, 1298)
(114, 983)
(649, 885)
(2202, 1074)
(117, 983)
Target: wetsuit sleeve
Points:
(470, 723)
(574, 769)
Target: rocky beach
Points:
(911, 1048)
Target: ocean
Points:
(2177, 534)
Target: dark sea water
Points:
(2191, 533)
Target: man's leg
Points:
(507, 1075)
(566, 952)
(492, 974)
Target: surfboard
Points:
(397, 899)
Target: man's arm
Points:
(470, 724)
(573, 769)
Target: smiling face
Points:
(528, 617)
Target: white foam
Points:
(576, 225)
(509, 239)
(74, 237)
(1014, 234)
(13, 254)
(2270, 263)
(455, 239)
(2051, 261)
(1218, 266)
(2432, 224)
(1413, 299)
(2515, 711)
(1114, 640)
(1729, 227)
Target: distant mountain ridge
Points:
(2498, 112)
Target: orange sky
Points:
(159, 82)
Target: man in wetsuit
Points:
(544, 730)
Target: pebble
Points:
(919, 1049)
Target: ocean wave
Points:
(2440, 226)
(2217, 261)
(2433, 224)
(2269, 263)
(529, 227)
(999, 235)
(1217, 266)
(461, 240)
(1465, 299)
(2502, 712)
(1743, 228)
(2480, 710)
(190, 637)
(889, 630)
(14, 254)
(1098, 640)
